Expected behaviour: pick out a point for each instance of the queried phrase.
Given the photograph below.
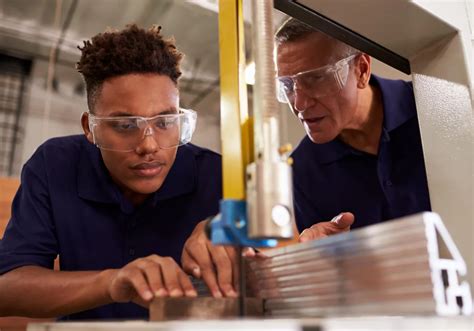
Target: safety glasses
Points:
(125, 133)
(317, 83)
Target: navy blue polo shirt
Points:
(334, 177)
(68, 205)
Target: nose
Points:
(302, 100)
(148, 145)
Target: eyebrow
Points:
(168, 111)
(119, 113)
(171, 110)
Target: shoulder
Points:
(304, 145)
(53, 164)
(200, 151)
(61, 151)
(398, 101)
(60, 161)
(201, 162)
(68, 145)
(201, 154)
(394, 87)
(309, 154)
(201, 166)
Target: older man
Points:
(362, 160)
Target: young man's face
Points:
(323, 117)
(143, 170)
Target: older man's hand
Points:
(340, 223)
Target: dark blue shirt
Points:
(332, 178)
(68, 205)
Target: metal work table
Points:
(326, 324)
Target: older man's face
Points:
(323, 117)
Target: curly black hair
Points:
(131, 50)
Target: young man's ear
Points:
(85, 127)
(362, 63)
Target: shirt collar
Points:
(182, 178)
(398, 101)
(94, 182)
(331, 151)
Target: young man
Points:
(117, 203)
(361, 162)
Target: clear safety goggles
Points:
(317, 83)
(125, 133)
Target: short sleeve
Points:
(30, 237)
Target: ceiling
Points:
(30, 28)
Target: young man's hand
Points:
(145, 278)
(340, 223)
(217, 265)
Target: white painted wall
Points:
(440, 73)
(459, 14)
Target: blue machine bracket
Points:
(230, 226)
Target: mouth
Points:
(313, 120)
(148, 169)
(313, 124)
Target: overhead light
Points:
(250, 73)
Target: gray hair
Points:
(293, 29)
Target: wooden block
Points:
(163, 309)
(20, 323)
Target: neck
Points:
(363, 132)
(135, 198)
